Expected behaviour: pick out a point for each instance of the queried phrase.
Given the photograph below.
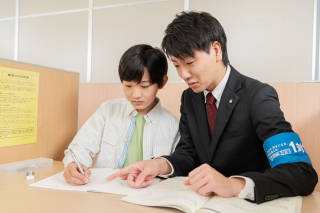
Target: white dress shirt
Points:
(104, 133)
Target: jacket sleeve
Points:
(285, 179)
(184, 158)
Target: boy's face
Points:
(141, 95)
(201, 71)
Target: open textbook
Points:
(97, 183)
(173, 193)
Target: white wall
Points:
(270, 40)
(117, 28)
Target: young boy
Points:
(123, 131)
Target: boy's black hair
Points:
(191, 31)
(138, 57)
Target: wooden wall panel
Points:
(57, 114)
(300, 103)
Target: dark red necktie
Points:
(211, 111)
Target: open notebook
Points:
(97, 183)
(173, 193)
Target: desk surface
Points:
(16, 196)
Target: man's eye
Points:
(190, 62)
(145, 86)
(129, 86)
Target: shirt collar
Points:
(151, 116)
(217, 92)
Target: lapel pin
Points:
(230, 101)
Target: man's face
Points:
(201, 71)
(141, 95)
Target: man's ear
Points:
(216, 50)
(165, 80)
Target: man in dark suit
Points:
(235, 140)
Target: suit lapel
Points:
(229, 100)
(201, 119)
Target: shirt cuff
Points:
(248, 190)
(172, 170)
(67, 158)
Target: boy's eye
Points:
(145, 86)
(129, 86)
(190, 62)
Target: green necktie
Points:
(135, 150)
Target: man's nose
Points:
(184, 73)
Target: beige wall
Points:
(270, 40)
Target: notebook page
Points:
(97, 183)
(169, 193)
(231, 205)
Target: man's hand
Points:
(74, 177)
(141, 174)
(206, 180)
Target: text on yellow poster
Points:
(18, 106)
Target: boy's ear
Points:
(165, 80)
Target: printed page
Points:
(18, 106)
(97, 183)
(231, 205)
(169, 193)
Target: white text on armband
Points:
(285, 148)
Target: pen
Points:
(76, 161)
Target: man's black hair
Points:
(138, 57)
(191, 31)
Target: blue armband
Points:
(285, 148)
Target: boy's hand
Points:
(74, 177)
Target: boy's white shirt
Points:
(105, 133)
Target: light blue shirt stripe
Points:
(126, 145)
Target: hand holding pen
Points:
(75, 173)
(75, 159)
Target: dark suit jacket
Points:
(248, 114)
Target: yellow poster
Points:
(18, 106)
